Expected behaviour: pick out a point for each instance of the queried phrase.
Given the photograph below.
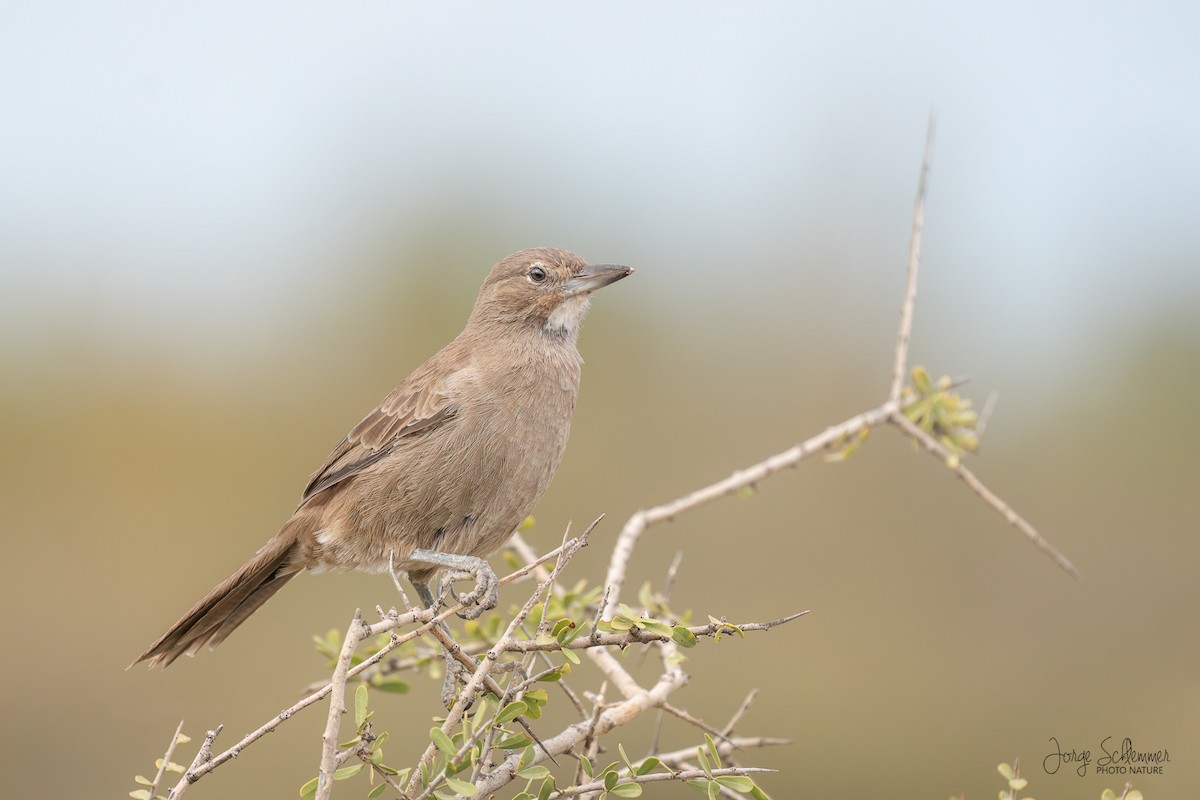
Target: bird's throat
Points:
(564, 320)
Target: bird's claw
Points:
(483, 597)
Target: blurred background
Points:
(227, 230)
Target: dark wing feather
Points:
(423, 401)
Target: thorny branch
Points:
(493, 768)
(891, 411)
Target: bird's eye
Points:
(537, 275)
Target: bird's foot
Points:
(483, 597)
(486, 594)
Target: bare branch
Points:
(1012, 517)
(985, 413)
(166, 759)
(202, 759)
(727, 731)
(900, 364)
(337, 707)
(750, 476)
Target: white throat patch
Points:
(567, 316)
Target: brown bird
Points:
(442, 472)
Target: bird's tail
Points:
(230, 602)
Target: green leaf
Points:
(461, 788)
(309, 789)
(703, 759)
(570, 655)
(739, 783)
(655, 626)
(347, 772)
(140, 794)
(514, 742)
(360, 705)
(699, 786)
(378, 790)
(143, 780)
(712, 751)
(610, 780)
(1004, 769)
(546, 790)
(921, 380)
(647, 766)
(759, 794)
(627, 790)
(683, 637)
(442, 742)
(390, 684)
(551, 677)
(511, 712)
(587, 765)
(182, 738)
(714, 790)
(624, 757)
(534, 773)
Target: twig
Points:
(725, 748)
(684, 715)
(727, 731)
(337, 707)
(166, 759)
(985, 414)
(900, 364)
(1012, 517)
(639, 522)
(202, 759)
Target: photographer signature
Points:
(1118, 760)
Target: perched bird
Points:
(442, 472)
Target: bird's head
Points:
(542, 288)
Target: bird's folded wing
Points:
(422, 402)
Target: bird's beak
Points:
(596, 276)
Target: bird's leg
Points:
(483, 597)
(455, 672)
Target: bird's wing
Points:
(425, 400)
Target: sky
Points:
(177, 170)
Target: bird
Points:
(446, 467)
